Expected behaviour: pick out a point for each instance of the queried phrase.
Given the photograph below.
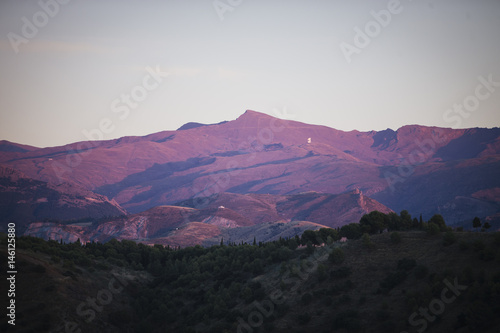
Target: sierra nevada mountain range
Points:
(426, 170)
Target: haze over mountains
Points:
(260, 161)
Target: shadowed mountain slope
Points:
(24, 200)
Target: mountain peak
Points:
(254, 114)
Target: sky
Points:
(72, 70)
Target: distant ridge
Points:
(192, 125)
(234, 217)
(7, 146)
(25, 200)
(455, 172)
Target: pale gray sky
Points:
(70, 73)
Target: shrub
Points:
(421, 271)
(393, 279)
(387, 326)
(344, 299)
(117, 262)
(478, 245)
(322, 275)
(395, 237)
(382, 314)
(304, 318)
(496, 238)
(432, 229)
(348, 319)
(479, 316)
(119, 318)
(38, 269)
(69, 264)
(406, 264)
(283, 285)
(463, 245)
(50, 288)
(102, 266)
(306, 298)
(337, 256)
(56, 259)
(268, 327)
(309, 248)
(367, 242)
(341, 272)
(486, 255)
(259, 294)
(449, 238)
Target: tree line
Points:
(204, 286)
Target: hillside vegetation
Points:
(419, 276)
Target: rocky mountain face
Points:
(233, 217)
(25, 200)
(426, 170)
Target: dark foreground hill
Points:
(412, 281)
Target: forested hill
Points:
(425, 277)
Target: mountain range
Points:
(261, 169)
(234, 217)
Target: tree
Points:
(486, 225)
(438, 220)
(374, 222)
(406, 220)
(309, 248)
(292, 244)
(476, 223)
(351, 231)
(257, 267)
(432, 228)
(367, 242)
(310, 236)
(324, 233)
(336, 256)
(394, 221)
